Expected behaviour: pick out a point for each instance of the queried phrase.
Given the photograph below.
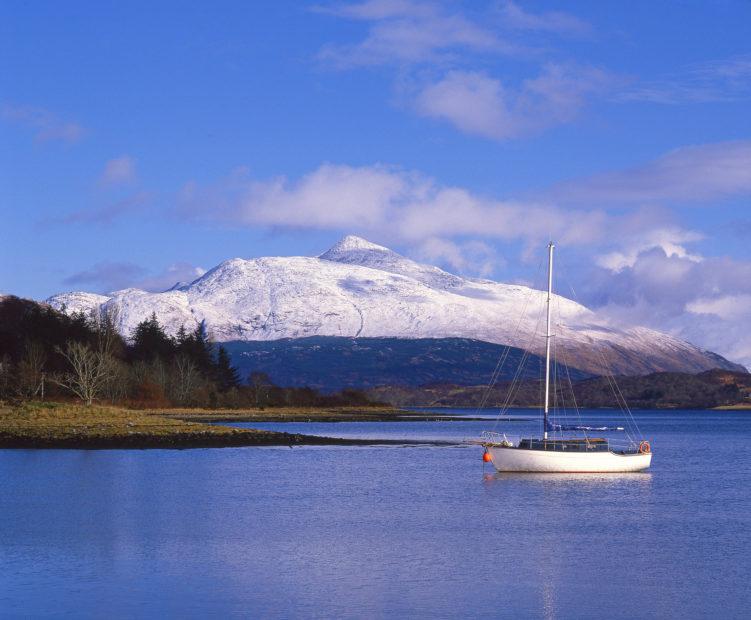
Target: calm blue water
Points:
(380, 531)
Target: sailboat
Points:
(556, 451)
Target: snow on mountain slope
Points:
(78, 302)
(353, 250)
(361, 289)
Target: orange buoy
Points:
(486, 457)
(644, 447)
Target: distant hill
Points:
(660, 390)
(330, 363)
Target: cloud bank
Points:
(704, 300)
(109, 276)
(385, 202)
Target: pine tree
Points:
(198, 348)
(226, 375)
(181, 337)
(150, 341)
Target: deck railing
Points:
(623, 447)
(502, 439)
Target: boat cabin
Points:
(565, 445)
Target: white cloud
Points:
(473, 102)
(481, 105)
(689, 174)
(387, 201)
(725, 307)
(406, 32)
(469, 257)
(119, 170)
(721, 324)
(552, 21)
(705, 302)
(46, 125)
(669, 240)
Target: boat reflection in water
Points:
(560, 479)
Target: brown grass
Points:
(70, 425)
(64, 425)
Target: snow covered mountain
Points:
(360, 289)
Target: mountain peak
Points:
(351, 243)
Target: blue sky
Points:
(143, 143)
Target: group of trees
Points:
(45, 353)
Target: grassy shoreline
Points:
(738, 407)
(51, 425)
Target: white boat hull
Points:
(523, 460)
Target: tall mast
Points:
(548, 336)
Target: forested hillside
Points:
(660, 390)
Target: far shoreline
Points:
(64, 426)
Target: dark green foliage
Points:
(23, 321)
(198, 348)
(227, 376)
(150, 342)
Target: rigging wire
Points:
(609, 375)
(504, 356)
(566, 367)
(516, 382)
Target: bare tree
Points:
(259, 383)
(91, 370)
(158, 373)
(186, 379)
(139, 372)
(105, 320)
(6, 376)
(118, 385)
(31, 370)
